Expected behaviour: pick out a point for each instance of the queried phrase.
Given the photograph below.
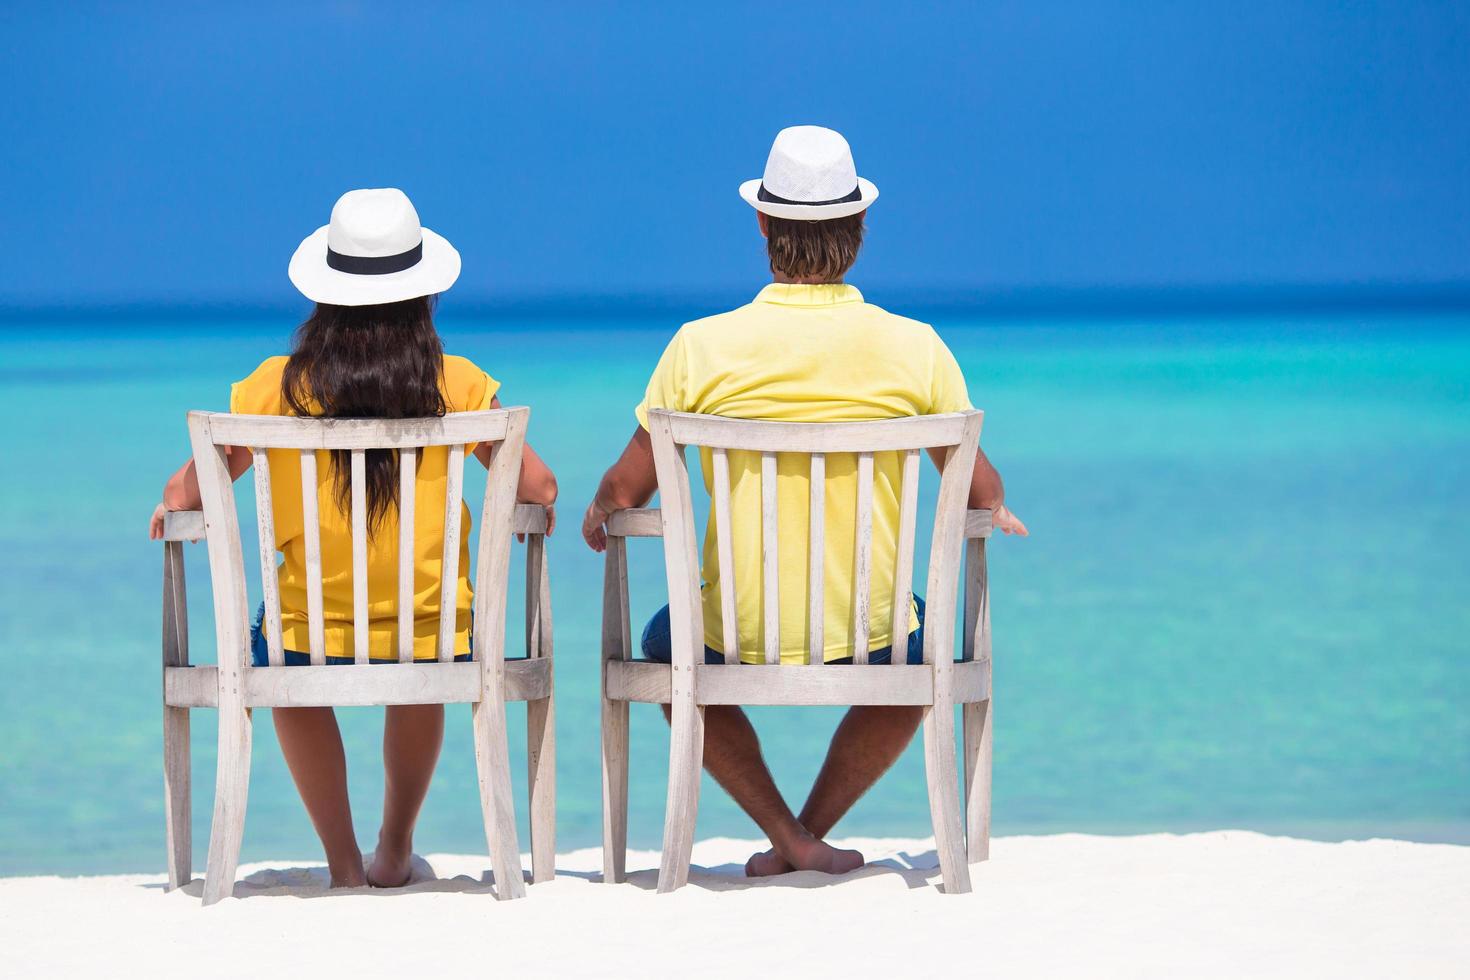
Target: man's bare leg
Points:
(867, 743)
(732, 754)
(412, 734)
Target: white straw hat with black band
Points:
(809, 176)
(373, 251)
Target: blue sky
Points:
(155, 153)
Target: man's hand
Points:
(1001, 519)
(594, 529)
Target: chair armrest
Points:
(636, 522)
(977, 524)
(183, 525)
(529, 519)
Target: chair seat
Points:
(346, 685)
(766, 684)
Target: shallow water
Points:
(1243, 603)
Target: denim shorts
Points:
(658, 645)
(260, 650)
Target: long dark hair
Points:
(383, 362)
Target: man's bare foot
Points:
(767, 863)
(391, 867)
(805, 853)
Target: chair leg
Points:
(178, 815)
(541, 782)
(614, 790)
(231, 787)
(492, 760)
(977, 780)
(686, 760)
(944, 796)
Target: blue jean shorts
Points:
(658, 645)
(260, 650)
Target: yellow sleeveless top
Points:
(466, 389)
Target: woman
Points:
(368, 350)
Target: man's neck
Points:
(781, 279)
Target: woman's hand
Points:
(1003, 520)
(155, 523)
(550, 521)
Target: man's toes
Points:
(766, 863)
(845, 861)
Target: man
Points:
(809, 349)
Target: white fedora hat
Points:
(373, 251)
(809, 176)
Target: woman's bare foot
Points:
(805, 853)
(349, 875)
(391, 867)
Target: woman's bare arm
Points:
(181, 492)
(537, 483)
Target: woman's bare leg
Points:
(312, 745)
(412, 735)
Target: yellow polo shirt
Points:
(466, 389)
(802, 353)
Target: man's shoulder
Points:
(897, 321)
(715, 322)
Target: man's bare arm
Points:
(988, 492)
(630, 482)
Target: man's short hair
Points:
(819, 250)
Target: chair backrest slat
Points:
(265, 525)
(862, 576)
(359, 558)
(312, 529)
(771, 569)
(817, 561)
(958, 435)
(492, 569)
(681, 561)
(226, 555)
(407, 482)
(903, 571)
(449, 582)
(946, 546)
(725, 540)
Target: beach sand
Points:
(1225, 903)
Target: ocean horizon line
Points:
(1092, 301)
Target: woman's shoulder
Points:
(259, 392)
(467, 386)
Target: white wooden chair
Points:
(234, 686)
(688, 684)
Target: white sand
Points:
(1224, 904)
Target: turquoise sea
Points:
(1245, 601)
